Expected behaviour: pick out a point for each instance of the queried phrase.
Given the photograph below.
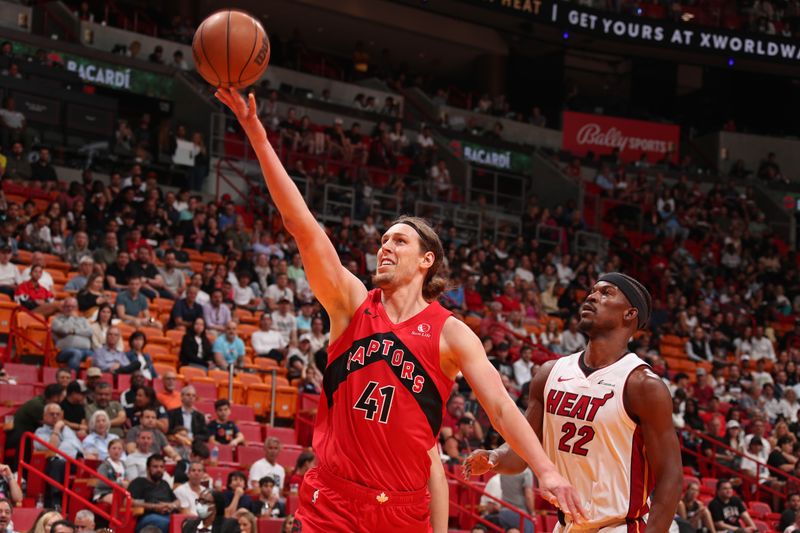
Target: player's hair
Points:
(429, 241)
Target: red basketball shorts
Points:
(330, 504)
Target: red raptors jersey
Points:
(384, 398)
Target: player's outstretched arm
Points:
(505, 460)
(338, 290)
(440, 493)
(462, 347)
(648, 399)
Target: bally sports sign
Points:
(601, 134)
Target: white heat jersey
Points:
(594, 443)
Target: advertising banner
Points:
(110, 75)
(493, 157)
(600, 134)
(650, 31)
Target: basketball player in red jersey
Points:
(605, 420)
(393, 355)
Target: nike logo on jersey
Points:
(601, 382)
(561, 380)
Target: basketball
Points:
(230, 49)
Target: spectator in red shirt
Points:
(702, 391)
(472, 297)
(454, 412)
(509, 299)
(33, 296)
(305, 461)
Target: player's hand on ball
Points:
(245, 112)
(557, 490)
(479, 462)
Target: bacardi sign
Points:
(583, 133)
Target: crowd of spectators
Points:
(159, 455)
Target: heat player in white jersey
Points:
(605, 420)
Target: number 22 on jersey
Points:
(578, 447)
(372, 404)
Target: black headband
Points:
(634, 291)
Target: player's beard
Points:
(383, 280)
(586, 326)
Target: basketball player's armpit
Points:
(648, 399)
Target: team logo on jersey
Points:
(573, 405)
(315, 496)
(382, 497)
(423, 330)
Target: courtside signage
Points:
(600, 134)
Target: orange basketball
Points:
(230, 49)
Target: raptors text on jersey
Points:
(383, 399)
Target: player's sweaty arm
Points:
(337, 289)
(647, 399)
(504, 460)
(440, 493)
(461, 346)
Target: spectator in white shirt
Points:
(522, 366)
(9, 273)
(760, 376)
(572, 340)
(243, 294)
(267, 342)
(188, 493)
(760, 346)
(524, 271)
(752, 457)
(319, 339)
(757, 431)
(46, 281)
(285, 322)
(268, 466)
(564, 271)
(279, 290)
(790, 405)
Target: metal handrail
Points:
(16, 332)
(733, 472)
(523, 515)
(121, 500)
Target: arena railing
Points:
(751, 484)
(119, 513)
(44, 347)
(467, 500)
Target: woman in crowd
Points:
(693, 511)
(91, 297)
(95, 445)
(136, 354)
(101, 325)
(195, 346)
(146, 399)
(551, 337)
(247, 521)
(45, 521)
